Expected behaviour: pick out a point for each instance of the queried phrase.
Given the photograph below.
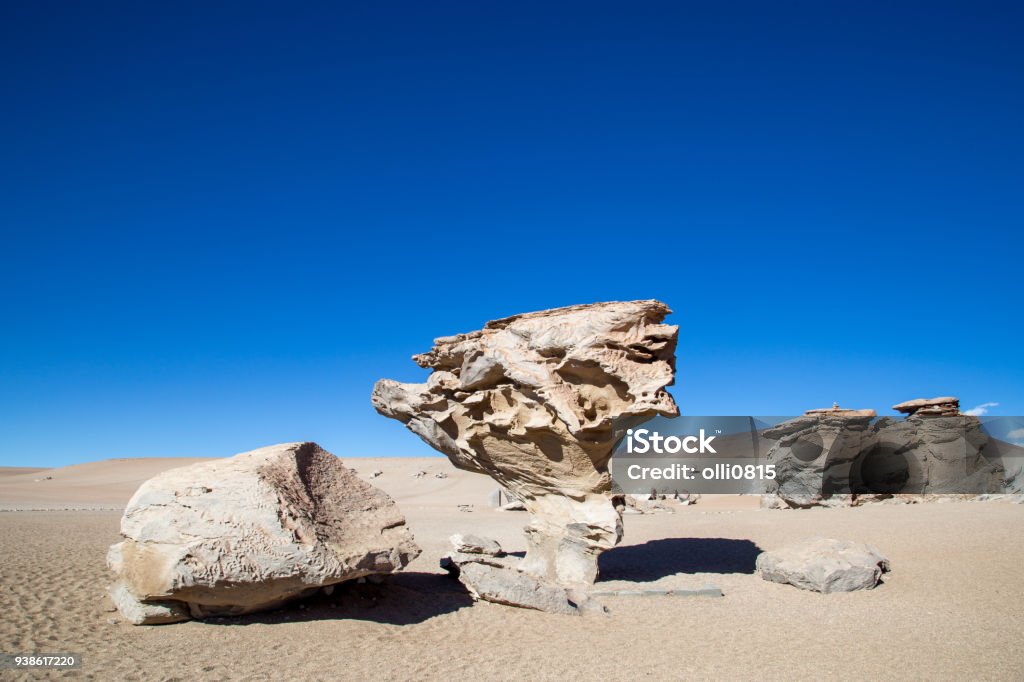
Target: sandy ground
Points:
(951, 608)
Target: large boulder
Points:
(250, 532)
(536, 401)
(824, 565)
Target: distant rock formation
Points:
(836, 411)
(536, 401)
(838, 457)
(250, 532)
(814, 456)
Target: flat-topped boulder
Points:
(837, 411)
(945, 406)
(537, 402)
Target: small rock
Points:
(440, 474)
(138, 612)
(465, 507)
(508, 586)
(474, 544)
(824, 565)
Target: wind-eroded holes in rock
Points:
(635, 352)
(596, 390)
(641, 353)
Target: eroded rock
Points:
(836, 457)
(489, 577)
(536, 401)
(947, 406)
(250, 532)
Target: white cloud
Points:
(1016, 434)
(980, 409)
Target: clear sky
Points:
(220, 223)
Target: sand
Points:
(950, 609)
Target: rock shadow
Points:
(403, 599)
(660, 558)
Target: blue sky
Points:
(220, 223)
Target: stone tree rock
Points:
(824, 565)
(536, 401)
(247, 533)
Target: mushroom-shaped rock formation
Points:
(536, 401)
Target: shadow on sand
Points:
(659, 558)
(408, 598)
(404, 599)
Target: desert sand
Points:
(951, 607)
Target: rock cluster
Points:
(824, 565)
(537, 402)
(250, 532)
(479, 564)
(837, 457)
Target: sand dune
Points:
(105, 484)
(951, 608)
(110, 483)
